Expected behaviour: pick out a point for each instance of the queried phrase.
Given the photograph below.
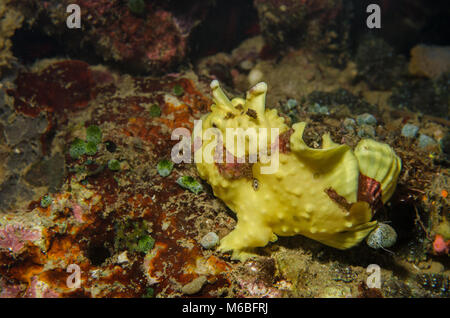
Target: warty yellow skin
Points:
(293, 200)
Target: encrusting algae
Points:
(328, 194)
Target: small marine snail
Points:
(383, 236)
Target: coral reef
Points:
(79, 225)
(88, 116)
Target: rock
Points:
(24, 128)
(194, 286)
(426, 141)
(429, 61)
(436, 267)
(410, 131)
(122, 258)
(47, 172)
(366, 131)
(23, 155)
(5, 110)
(209, 240)
(383, 236)
(13, 191)
(11, 20)
(349, 124)
(366, 119)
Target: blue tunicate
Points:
(410, 131)
(426, 141)
(366, 119)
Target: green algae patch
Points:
(133, 236)
(136, 6)
(155, 111)
(189, 183)
(145, 244)
(93, 134)
(114, 165)
(164, 167)
(46, 201)
(77, 148)
(91, 148)
(178, 90)
(149, 293)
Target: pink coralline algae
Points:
(259, 290)
(256, 278)
(77, 212)
(13, 237)
(9, 291)
(38, 289)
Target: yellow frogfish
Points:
(278, 186)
